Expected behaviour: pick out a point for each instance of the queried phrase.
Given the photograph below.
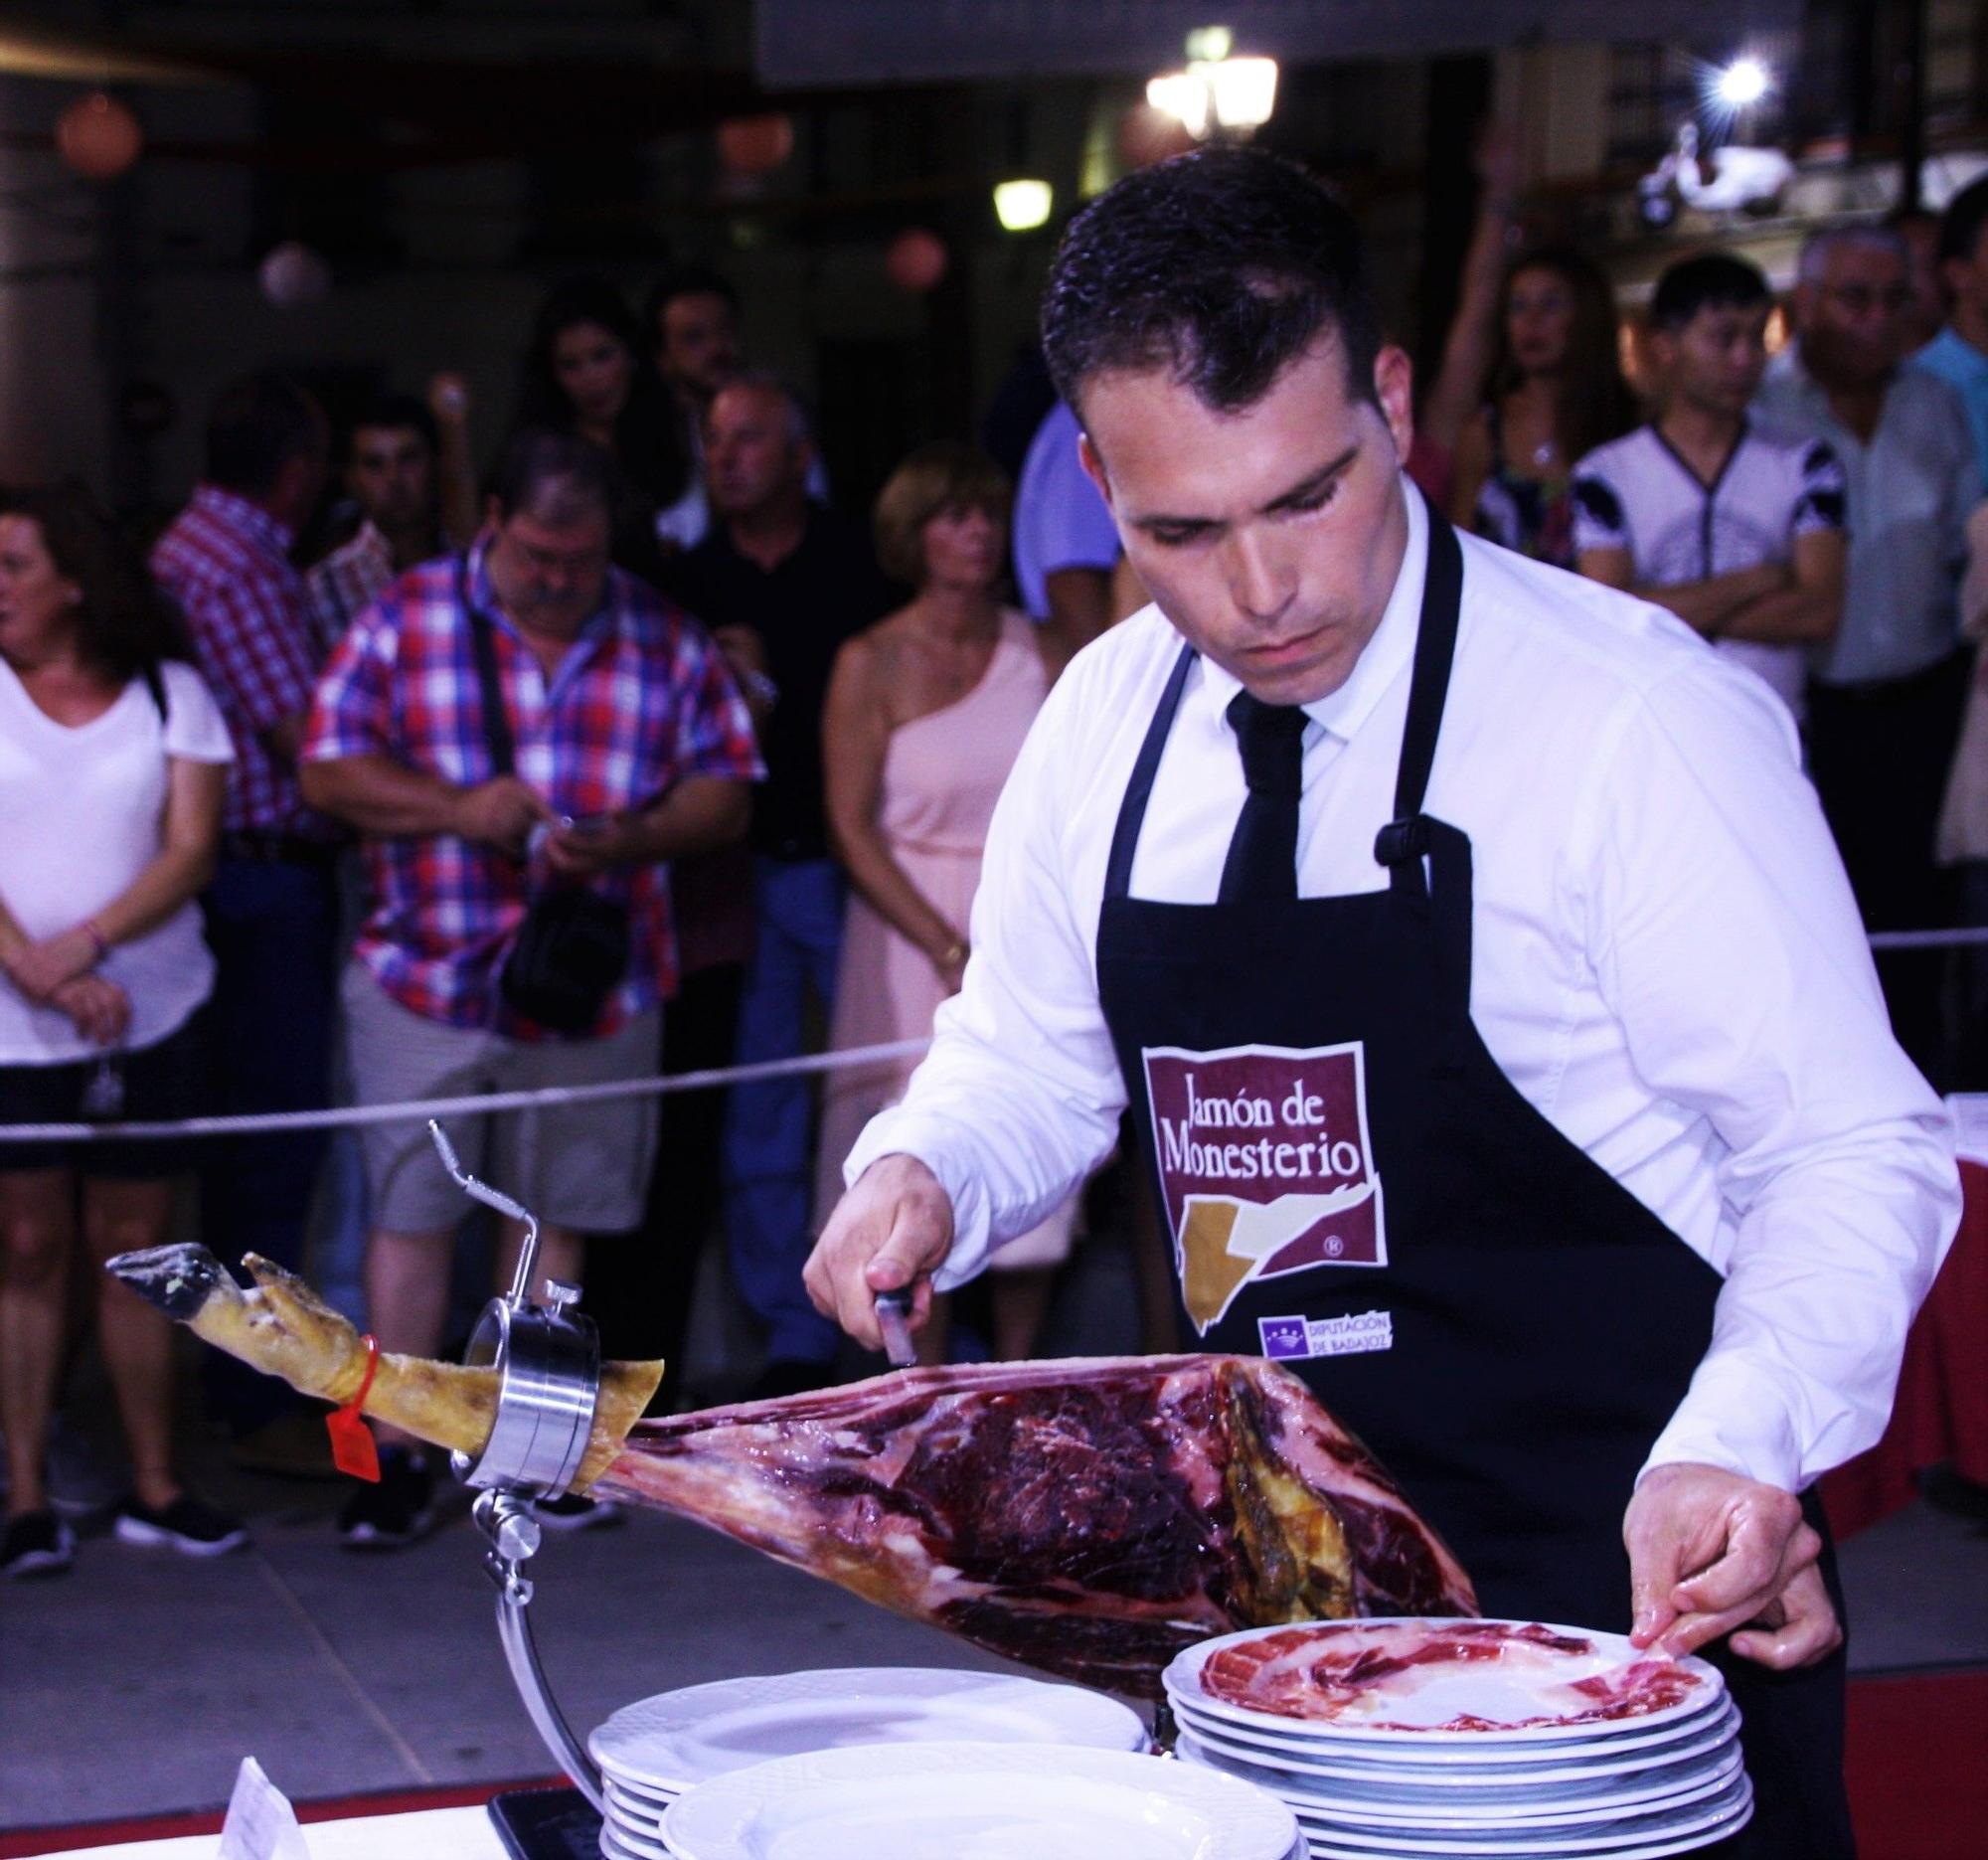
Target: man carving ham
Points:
(1655, 1193)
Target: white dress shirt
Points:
(1666, 963)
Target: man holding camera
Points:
(524, 736)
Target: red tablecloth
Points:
(1941, 1409)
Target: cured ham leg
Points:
(1089, 1517)
(284, 1329)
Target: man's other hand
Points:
(588, 847)
(1797, 1628)
(893, 1229)
(500, 813)
(1710, 1550)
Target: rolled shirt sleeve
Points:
(1723, 935)
(351, 710)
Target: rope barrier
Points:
(351, 1117)
(1881, 941)
(420, 1110)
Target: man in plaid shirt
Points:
(273, 907)
(633, 748)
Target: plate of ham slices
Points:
(1470, 1683)
(1399, 1738)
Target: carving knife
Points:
(894, 1312)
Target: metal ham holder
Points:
(548, 1361)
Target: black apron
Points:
(1500, 1320)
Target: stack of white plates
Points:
(989, 1802)
(653, 1751)
(1392, 1738)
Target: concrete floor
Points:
(136, 1684)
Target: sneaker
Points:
(395, 1512)
(37, 1542)
(185, 1525)
(78, 1487)
(571, 1512)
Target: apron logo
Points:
(1287, 1337)
(1265, 1168)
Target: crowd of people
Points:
(637, 753)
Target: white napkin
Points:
(260, 1824)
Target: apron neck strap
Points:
(1435, 651)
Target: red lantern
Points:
(755, 145)
(98, 136)
(917, 259)
(1147, 135)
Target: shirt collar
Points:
(238, 513)
(1393, 645)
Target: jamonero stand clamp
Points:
(547, 1362)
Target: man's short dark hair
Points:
(1711, 280)
(400, 413)
(257, 425)
(1963, 223)
(686, 280)
(556, 477)
(1222, 267)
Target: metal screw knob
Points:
(519, 1537)
(558, 1296)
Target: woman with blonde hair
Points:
(925, 715)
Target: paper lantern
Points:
(917, 259)
(98, 136)
(293, 274)
(752, 145)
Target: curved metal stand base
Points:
(507, 1521)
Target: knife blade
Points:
(894, 1312)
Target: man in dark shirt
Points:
(782, 581)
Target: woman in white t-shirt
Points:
(113, 764)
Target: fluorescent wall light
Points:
(1021, 206)
(1182, 95)
(1244, 91)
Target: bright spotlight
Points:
(1021, 206)
(1180, 95)
(1246, 92)
(1743, 82)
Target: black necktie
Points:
(1262, 860)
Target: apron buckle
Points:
(1402, 840)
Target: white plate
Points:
(1323, 1849)
(1486, 1689)
(622, 1846)
(648, 1827)
(978, 1801)
(1546, 1808)
(1722, 1812)
(644, 1801)
(677, 1740)
(1563, 1768)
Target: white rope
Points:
(421, 1109)
(1928, 940)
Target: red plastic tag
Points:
(353, 1448)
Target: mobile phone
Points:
(545, 1824)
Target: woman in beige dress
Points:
(925, 715)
